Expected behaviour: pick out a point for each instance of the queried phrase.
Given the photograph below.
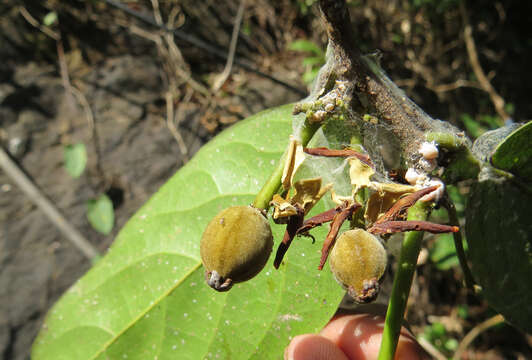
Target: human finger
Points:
(313, 347)
(359, 337)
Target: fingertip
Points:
(359, 337)
(409, 348)
(313, 347)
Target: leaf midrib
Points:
(276, 307)
(143, 313)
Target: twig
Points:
(71, 90)
(63, 71)
(169, 51)
(156, 12)
(137, 30)
(460, 83)
(172, 47)
(454, 85)
(36, 196)
(176, 65)
(431, 349)
(35, 23)
(170, 118)
(406, 121)
(203, 45)
(458, 244)
(220, 79)
(476, 331)
(496, 99)
(82, 100)
(173, 50)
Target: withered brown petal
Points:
(390, 227)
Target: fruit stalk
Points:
(458, 244)
(265, 195)
(402, 282)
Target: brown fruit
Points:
(235, 246)
(358, 261)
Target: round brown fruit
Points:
(358, 261)
(235, 246)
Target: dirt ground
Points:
(138, 154)
(134, 151)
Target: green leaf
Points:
(438, 330)
(514, 154)
(75, 156)
(147, 297)
(498, 230)
(305, 46)
(451, 344)
(50, 18)
(101, 214)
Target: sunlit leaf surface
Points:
(146, 299)
(514, 154)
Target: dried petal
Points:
(400, 207)
(390, 227)
(384, 198)
(294, 159)
(360, 174)
(309, 192)
(326, 152)
(282, 210)
(318, 220)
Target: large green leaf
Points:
(146, 299)
(514, 154)
(499, 234)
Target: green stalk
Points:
(265, 195)
(402, 283)
(458, 244)
(463, 164)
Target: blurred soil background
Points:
(143, 102)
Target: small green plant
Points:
(100, 214)
(75, 157)
(438, 336)
(50, 18)
(100, 211)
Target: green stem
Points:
(265, 195)
(463, 164)
(402, 283)
(458, 244)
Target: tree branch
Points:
(370, 91)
